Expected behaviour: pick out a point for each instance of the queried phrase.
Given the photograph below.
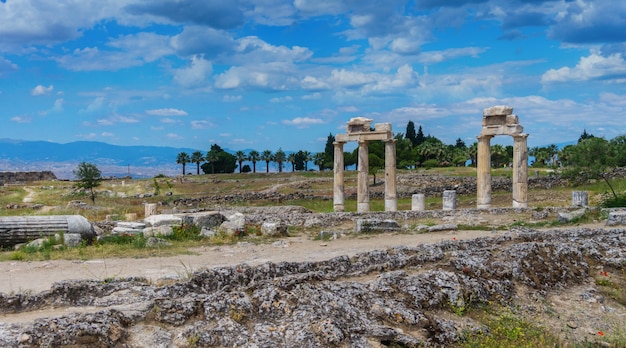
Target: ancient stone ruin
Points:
(500, 120)
(20, 177)
(358, 129)
(22, 229)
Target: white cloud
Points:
(281, 99)
(593, 67)
(225, 135)
(201, 124)
(173, 136)
(166, 112)
(303, 122)
(21, 119)
(168, 120)
(313, 96)
(95, 105)
(194, 75)
(231, 98)
(41, 90)
(107, 134)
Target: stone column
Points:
(363, 193)
(150, 209)
(449, 200)
(483, 172)
(338, 184)
(520, 171)
(391, 202)
(418, 202)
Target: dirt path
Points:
(30, 197)
(20, 276)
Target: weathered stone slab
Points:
(163, 220)
(158, 231)
(443, 227)
(571, 215)
(234, 224)
(616, 218)
(273, 229)
(498, 110)
(376, 225)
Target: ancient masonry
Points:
(499, 120)
(20, 177)
(358, 129)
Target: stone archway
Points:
(358, 129)
(499, 120)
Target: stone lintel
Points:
(498, 110)
(369, 136)
(512, 130)
(500, 120)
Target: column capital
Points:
(520, 136)
(339, 142)
(392, 140)
(484, 137)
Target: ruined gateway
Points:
(401, 297)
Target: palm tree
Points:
(318, 160)
(279, 158)
(253, 156)
(241, 156)
(498, 154)
(197, 157)
(291, 158)
(473, 153)
(267, 157)
(211, 157)
(307, 157)
(182, 158)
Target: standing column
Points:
(391, 202)
(483, 172)
(338, 188)
(363, 193)
(520, 171)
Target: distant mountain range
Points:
(112, 160)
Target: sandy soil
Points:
(21, 276)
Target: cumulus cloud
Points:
(281, 99)
(41, 90)
(231, 98)
(593, 67)
(271, 77)
(303, 122)
(208, 42)
(212, 13)
(201, 124)
(194, 75)
(166, 112)
(586, 21)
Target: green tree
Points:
(473, 153)
(319, 159)
(498, 155)
(590, 159)
(241, 156)
(419, 137)
(183, 158)
(584, 136)
(197, 157)
(291, 158)
(410, 133)
(300, 160)
(88, 176)
(307, 157)
(220, 161)
(254, 156)
(460, 143)
(280, 157)
(267, 156)
(375, 163)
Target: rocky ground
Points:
(407, 292)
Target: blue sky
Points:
(265, 74)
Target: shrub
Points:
(431, 163)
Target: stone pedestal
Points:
(363, 193)
(338, 182)
(449, 200)
(580, 199)
(418, 202)
(391, 202)
(483, 172)
(150, 209)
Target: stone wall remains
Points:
(21, 177)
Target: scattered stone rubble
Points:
(404, 296)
